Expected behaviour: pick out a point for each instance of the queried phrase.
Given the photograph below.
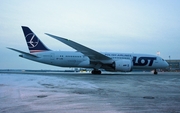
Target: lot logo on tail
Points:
(32, 41)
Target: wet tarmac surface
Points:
(86, 93)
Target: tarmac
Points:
(86, 93)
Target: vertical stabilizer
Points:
(33, 42)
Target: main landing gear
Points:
(155, 72)
(96, 72)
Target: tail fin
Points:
(33, 42)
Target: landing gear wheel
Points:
(155, 72)
(96, 72)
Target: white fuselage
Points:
(77, 59)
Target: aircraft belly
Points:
(67, 63)
(143, 67)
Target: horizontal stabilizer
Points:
(32, 55)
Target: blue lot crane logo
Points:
(32, 40)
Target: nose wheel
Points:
(97, 72)
(155, 72)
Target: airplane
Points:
(86, 57)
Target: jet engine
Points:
(124, 65)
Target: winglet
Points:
(56, 37)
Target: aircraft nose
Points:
(166, 64)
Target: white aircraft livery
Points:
(86, 57)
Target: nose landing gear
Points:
(96, 72)
(155, 72)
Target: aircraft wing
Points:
(92, 54)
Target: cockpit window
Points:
(162, 59)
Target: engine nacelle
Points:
(124, 65)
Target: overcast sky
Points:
(130, 26)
